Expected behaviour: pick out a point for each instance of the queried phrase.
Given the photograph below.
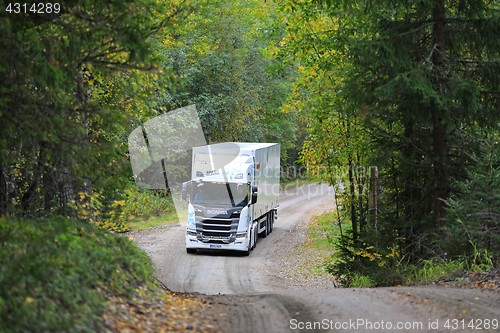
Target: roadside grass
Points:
(55, 274)
(432, 271)
(315, 268)
(319, 234)
(361, 281)
(437, 270)
(145, 209)
(136, 223)
(324, 229)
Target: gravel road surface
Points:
(265, 292)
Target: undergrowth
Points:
(362, 265)
(54, 274)
(134, 209)
(147, 203)
(145, 209)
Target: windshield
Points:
(220, 194)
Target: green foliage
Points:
(406, 88)
(66, 80)
(146, 203)
(473, 222)
(134, 208)
(220, 57)
(361, 281)
(324, 229)
(355, 263)
(481, 260)
(54, 273)
(75, 84)
(434, 270)
(371, 268)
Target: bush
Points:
(118, 211)
(54, 274)
(146, 203)
(363, 267)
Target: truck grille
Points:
(216, 229)
(208, 227)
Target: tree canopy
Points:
(55, 110)
(77, 82)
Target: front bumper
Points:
(238, 245)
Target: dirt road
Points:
(254, 296)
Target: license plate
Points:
(215, 246)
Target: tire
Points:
(189, 250)
(255, 231)
(266, 231)
(272, 222)
(269, 221)
(256, 236)
(252, 240)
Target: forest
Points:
(395, 104)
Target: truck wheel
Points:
(188, 250)
(272, 222)
(266, 230)
(256, 235)
(252, 240)
(249, 248)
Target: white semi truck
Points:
(232, 195)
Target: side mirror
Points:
(254, 197)
(254, 194)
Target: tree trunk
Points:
(361, 182)
(82, 95)
(372, 197)
(354, 220)
(441, 184)
(4, 191)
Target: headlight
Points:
(199, 174)
(241, 235)
(191, 233)
(239, 176)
